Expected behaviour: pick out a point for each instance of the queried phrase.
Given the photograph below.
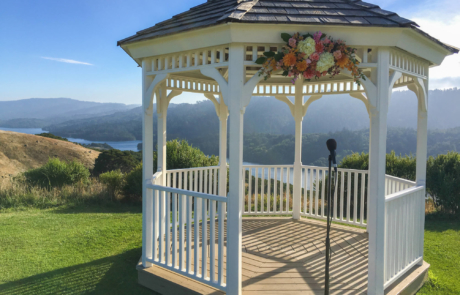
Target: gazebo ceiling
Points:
(313, 12)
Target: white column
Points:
(147, 172)
(162, 112)
(377, 167)
(236, 79)
(298, 117)
(421, 154)
(223, 116)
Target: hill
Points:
(197, 122)
(39, 112)
(20, 152)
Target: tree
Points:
(111, 160)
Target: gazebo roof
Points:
(321, 12)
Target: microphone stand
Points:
(328, 242)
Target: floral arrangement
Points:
(311, 56)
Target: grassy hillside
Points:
(20, 152)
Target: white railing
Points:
(350, 196)
(404, 230)
(202, 179)
(183, 239)
(267, 189)
(394, 184)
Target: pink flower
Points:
(326, 40)
(315, 56)
(338, 54)
(317, 36)
(308, 61)
(292, 42)
(290, 74)
(324, 73)
(308, 74)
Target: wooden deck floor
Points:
(282, 256)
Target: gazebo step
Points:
(166, 282)
(411, 282)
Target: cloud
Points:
(69, 61)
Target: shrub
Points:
(443, 181)
(179, 154)
(132, 189)
(113, 180)
(111, 160)
(57, 174)
(399, 166)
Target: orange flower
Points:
(343, 61)
(302, 66)
(289, 59)
(273, 63)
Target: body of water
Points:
(120, 145)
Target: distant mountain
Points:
(39, 112)
(268, 115)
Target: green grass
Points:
(79, 250)
(93, 249)
(442, 252)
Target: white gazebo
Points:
(206, 246)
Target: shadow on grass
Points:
(99, 208)
(440, 222)
(111, 275)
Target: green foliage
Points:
(443, 181)
(49, 135)
(111, 160)
(132, 188)
(179, 154)
(286, 37)
(57, 174)
(399, 166)
(113, 180)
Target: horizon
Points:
(74, 53)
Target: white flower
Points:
(307, 46)
(326, 61)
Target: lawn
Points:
(94, 249)
(442, 251)
(73, 251)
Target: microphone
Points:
(332, 146)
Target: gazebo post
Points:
(162, 109)
(377, 166)
(298, 117)
(420, 87)
(235, 93)
(147, 169)
(223, 117)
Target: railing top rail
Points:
(188, 169)
(400, 179)
(340, 169)
(403, 193)
(267, 166)
(187, 193)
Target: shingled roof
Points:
(320, 12)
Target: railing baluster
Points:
(323, 191)
(155, 225)
(174, 230)
(363, 187)
(168, 228)
(249, 189)
(355, 198)
(220, 266)
(189, 233)
(196, 234)
(269, 192)
(348, 195)
(288, 188)
(204, 240)
(311, 190)
(162, 226)
(212, 238)
(256, 187)
(262, 192)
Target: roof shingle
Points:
(330, 12)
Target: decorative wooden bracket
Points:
(305, 105)
(147, 99)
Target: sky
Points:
(56, 48)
